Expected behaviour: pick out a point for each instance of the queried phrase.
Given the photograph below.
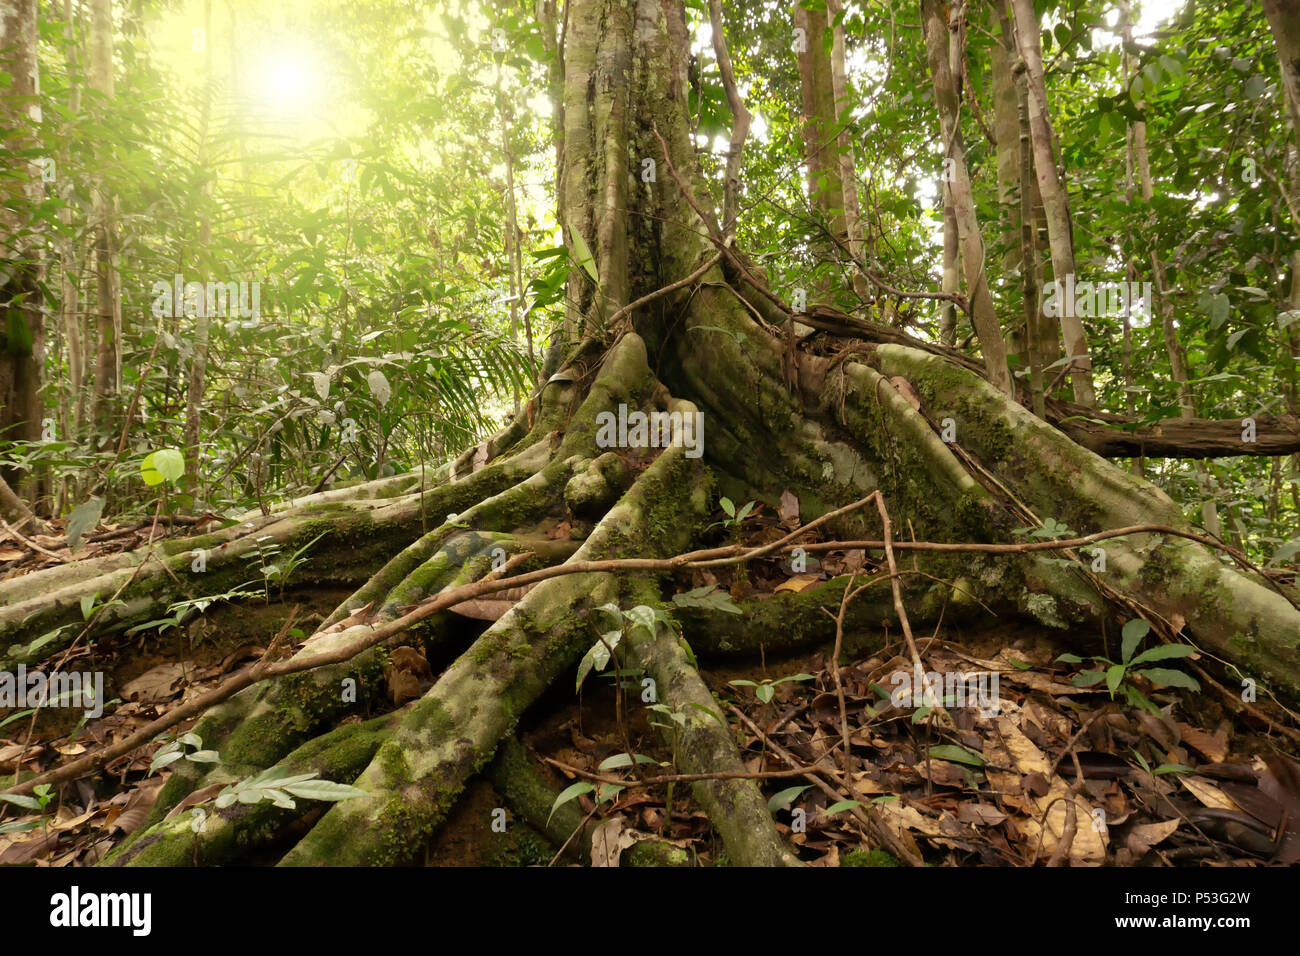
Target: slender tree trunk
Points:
(108, 291)
(740, 120)
(69, 263)
(1015, 176)
(957, 184)
(203, 320)
(855, 240)
(22, 331)
(1055, 199)
(818, 98)
(951, 280)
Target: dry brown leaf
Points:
(1213, 747)
(158, 683)
(1013, 748)
(608, 841)
(1144, 836)
(70, 749)
(194, 799)
(979, 814)
(138, 804)
(11, 554)
(1210, 795)
(798, 583)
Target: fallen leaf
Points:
(798, 583)
(1144, 836)
(11, 554)
(158, 683)
(1214, 747)
(980, 814)
(609, 840)
(1210, 795)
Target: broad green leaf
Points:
(839, 807)
(1170, 678)
(324, 790)
(1164, 652)
(956, 754)
(583, 254)
(783, 799)
(21, 800)
(1133, 633)
(618, 761)
(1114, 676)
(569, 793)
(167, 464)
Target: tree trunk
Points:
(22, 334)
(957, 184)
(1055, 200)
(108, 280)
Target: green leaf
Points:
(19, 826)
(21, 800)
(1133, 633)
(783, 799)
(765, 692)
(1170, 678)
(1070, 658)
(583, 254)
(324, 790)
(1114, 676)
(1173, 768)
(956, 755)
(619, 761)
(204, 756)
(1087, 678)
(728, 506)
(85, 515)
(167, 464)
(643, 616)
(840, 807)
(569, 793)
(164, 759)
(1164, 652)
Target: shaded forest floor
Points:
(1191, 785)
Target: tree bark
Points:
(958, 186)
(22, 335)
(1055, 199)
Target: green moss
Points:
(863, 857)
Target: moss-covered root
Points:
(257, 727)
(343, 544)
(1231, 614)
(452, 732)
(527, 793)
(206, 836)
(704, 744)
